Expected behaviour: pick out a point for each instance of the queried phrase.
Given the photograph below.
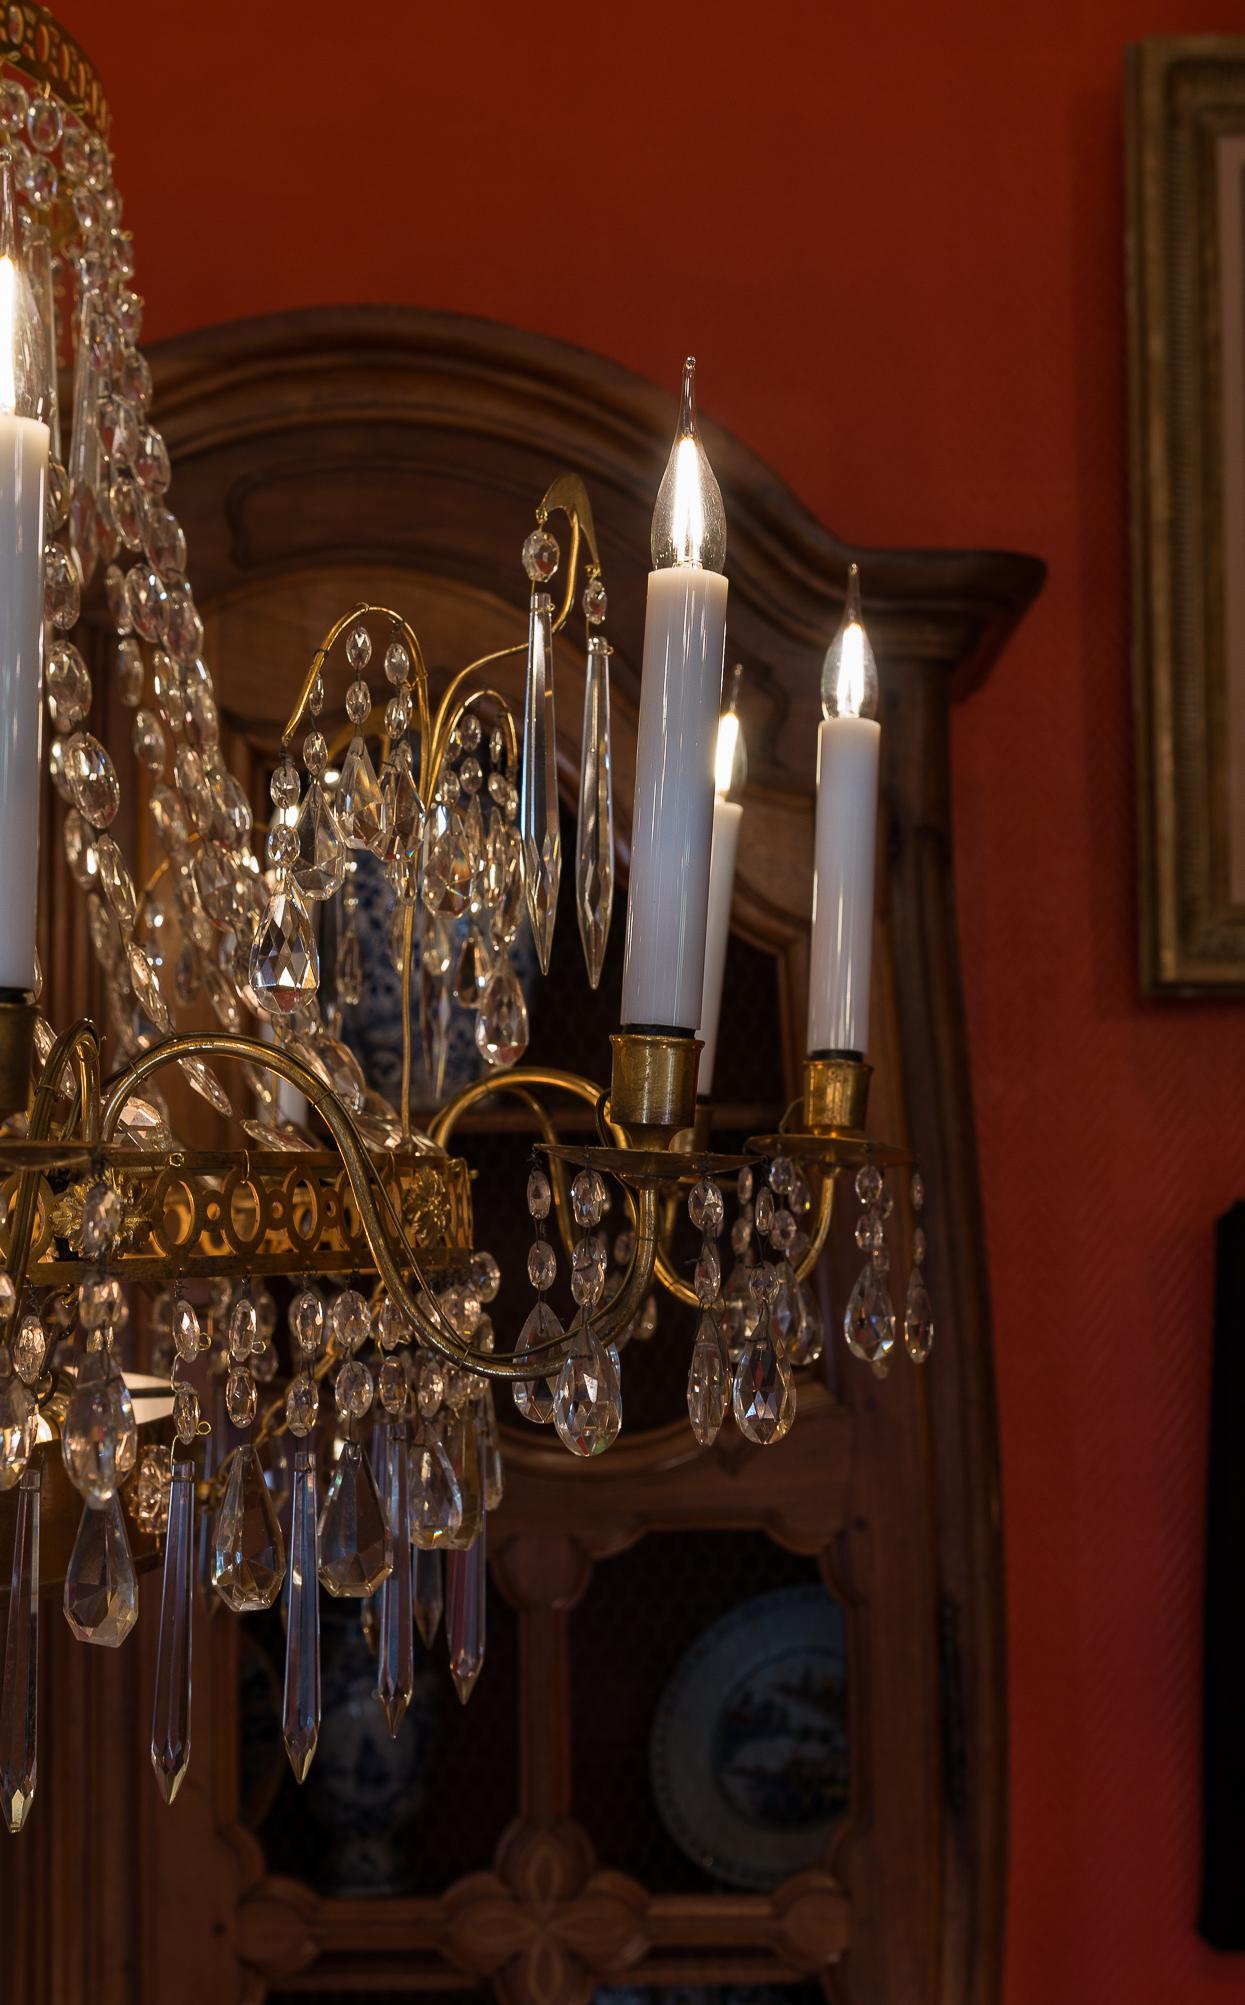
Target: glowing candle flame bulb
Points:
(680, 698)
(847, 806)
(849, 675)
(731, 767)
(24, 447)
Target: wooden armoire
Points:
(326, 456)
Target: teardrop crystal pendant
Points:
(918, 1319)
(708, 1381)
(466, 1577)
(395, 1661)
(248, 1551)
(538, 791)
(534, 1396)
(594, 835)
(320, 866)
(869, 1319)
(436, 1505)
(19, 1679)
(99, 1438)
(359, 804)
(101, 1586)
(356, 1551)
(170, 1718)
(587, 1405)
(19, 1417)
(762, 1394)
(300, 1711)
(502, 1025)
(428, 1592)
(402, 817)
(285, 962)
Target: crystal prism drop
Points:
(360, 806)
(284, 964)
(708, 1381)
(587, 1404)
(170, 1719)
(99, 1438)
(492, 1467)
(466, 1576)
(356, 1551)
(538, 793)
(462, 1443)
(395, 1664)
(19, 1417)
(19, 1678)
(869, 1319)
(101, 1586)
(300, 1713)
(320, 866)
(502, 1025)
(436, 1505)
(248, 1551)
(534, 1396)
(594, 836)
(427, 1591)
(918, 1319)
(762, 1387)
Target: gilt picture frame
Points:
(1186, 313)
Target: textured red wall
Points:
(893, 236)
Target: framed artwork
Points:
(1186, 307)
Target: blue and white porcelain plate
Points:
(749, 1749)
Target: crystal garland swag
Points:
(463, 821)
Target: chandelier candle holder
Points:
(306, 1401)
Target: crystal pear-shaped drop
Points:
(594, 835)
(360, 806)
(869, 1319)
(436, 1505)
(918, 1318)
(472, 970)
(284, 964)
(19, 1417)
(538, 789)
(356, 1551)
(395, 1657)
(708, 1382)
(101, 1586)
(19, 1674)
(762, 1385)
(534, 1396)
(248, 1551)
(300, 1711)
(462, 1442)
(99, 1438)
(807, 1336)
(320, 866)
(428, 1592)
(587, 1404)
(502, 1025)
(402, 810)
(170, 1717)
(466, 1577)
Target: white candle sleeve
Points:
(23, 481)
(842, 942)
(671, 831)
(727, 816)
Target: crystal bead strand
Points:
(19, 1692)
(918, 1321)
(594, 839)
(763, 1390)
(300, 1711)
(538, 794)
(587, 1405)
(395, 1680)
(869, 1319)
(170, 1719)
(708, 1377)
(534, 1396)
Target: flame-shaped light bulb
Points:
(849, 675)
(23, 371)
(730, 766)
(689, 522)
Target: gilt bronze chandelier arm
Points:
(419, 668)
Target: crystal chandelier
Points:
(332, 1250)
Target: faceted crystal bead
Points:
(918, 1321)
(466, 1578)
(587, 1405)
(428, 1592)
(762, 1390)
(587, 1272)
(539, 1194)
(595, 603)
(185, 1413)
(534, 1396)
(248, 1551)
(541, 555)
(542, 1264)
(485, 1276)
(241, 1396)
(436, 1504)
(321, 850)
(395, 1668)
(300, 1715)
(284, 961)
(101, 1586)
(356, 1551)
(92, 779)
(243, 1327)
(538, 798)
(708, 1381)
(350, 1321)
(170, 1720)
(359, 807)
(99, 1437)
(302, 1404)
(705, 1208)
(869, 1320)
(358, 648)
(594, 834)
(708, 1276)
(353, 1390)
(30, 1348)
(19, 1673)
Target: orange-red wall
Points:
(893, 236)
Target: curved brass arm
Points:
(321, 655)
(684, 1292)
